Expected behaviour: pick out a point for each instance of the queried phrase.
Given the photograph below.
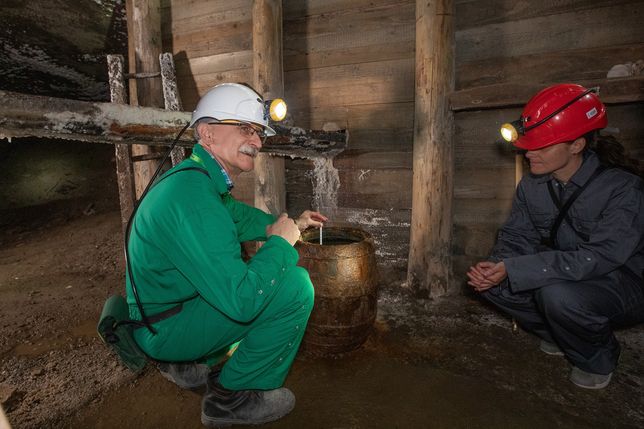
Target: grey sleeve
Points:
(518, 235)
(612, 241)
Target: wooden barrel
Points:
(343, 272)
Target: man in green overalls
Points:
(185, 258)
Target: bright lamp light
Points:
(277, 109)
(509, 132)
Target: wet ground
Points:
(451, 363)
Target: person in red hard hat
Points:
(568, 264)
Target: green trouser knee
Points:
(268, 343)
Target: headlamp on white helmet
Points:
(234, 102)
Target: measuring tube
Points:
(320, 235)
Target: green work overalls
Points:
(185, 248)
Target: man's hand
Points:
(285, 227)
(486, 274)
(310, 218)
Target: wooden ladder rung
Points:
(141, 75)
(146, 157)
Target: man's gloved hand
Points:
(285, 227)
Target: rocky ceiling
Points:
(58, 47)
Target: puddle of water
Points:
(361, 391)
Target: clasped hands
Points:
(486, 274)
(289, 229)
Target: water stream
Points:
(326, 182)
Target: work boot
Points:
(588, 380)
(187, 375)
(221, 407)
(550, 348)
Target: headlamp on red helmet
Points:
(585, 116)
(510, 130)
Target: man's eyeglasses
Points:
(246, 130)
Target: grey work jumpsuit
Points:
(576, 293)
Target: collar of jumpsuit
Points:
(218, 175)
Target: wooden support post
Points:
(144, 47)
(430, 264)
(171, 98)
(268, 79)
(124, 169)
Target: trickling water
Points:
(326, 182)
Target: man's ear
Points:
(578, 145)
(202, 129)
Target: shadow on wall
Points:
(188, 88)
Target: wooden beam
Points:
(612, 91)
(23, 115)
(268, 79)
(429, 267)
(299, 143)
(144, 47)
(123, 152)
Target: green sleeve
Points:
(250, 222)
(207, 253)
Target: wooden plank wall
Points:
(351, 63)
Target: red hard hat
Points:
(576, 109)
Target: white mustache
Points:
(249, 150)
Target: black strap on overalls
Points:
(145, 320)
(551, 241)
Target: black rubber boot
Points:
(221, 407)
(187, 375)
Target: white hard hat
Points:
(233, 101)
